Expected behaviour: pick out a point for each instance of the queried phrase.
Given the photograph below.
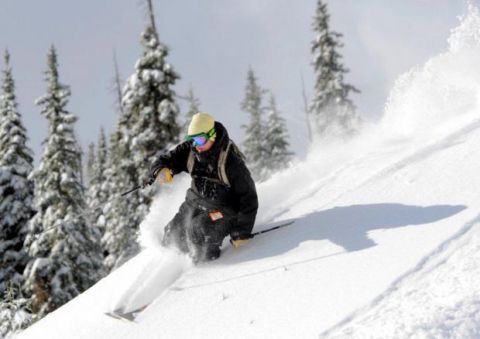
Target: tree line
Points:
(59, 233)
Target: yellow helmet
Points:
(201, 123)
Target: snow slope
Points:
(386, 242)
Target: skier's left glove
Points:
(239, 242)
(238, 239)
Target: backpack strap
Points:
(190, 162)
(222, 160)
(221, 165)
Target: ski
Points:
(116, 316)
(129, 316)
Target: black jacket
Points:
(241, 196)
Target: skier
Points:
(222, 199)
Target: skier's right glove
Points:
(155, 169)
(164, 173)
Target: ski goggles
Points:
(201, 138)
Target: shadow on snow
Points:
(347, 227)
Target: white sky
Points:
(212, 44)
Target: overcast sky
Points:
(212, 43)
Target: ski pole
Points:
(132, 190)
(287, 223)
(168, 178)
(101, 206)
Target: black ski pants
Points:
(193, 230)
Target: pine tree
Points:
(149, 102)
(334, 113)
(254, 148)
(147, 126)
(16, 189)
(122, 214)
(193, 107)
(276, 139)
(15, 311)
(65, 251)
(97, 190)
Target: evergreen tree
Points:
(16, 190)
(15, 314)
(193, 107)
(276, 139)
(65, 251)
(334, 113)
(149, 104)
(147, 126)
(254, 145)
(97, 190)
(122, 214)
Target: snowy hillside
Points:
(385, 244)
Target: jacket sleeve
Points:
(175, 160)
(243, 188)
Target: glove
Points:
(238, 239)
(164, 173)
(239, 242)
(155, 169)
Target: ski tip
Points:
(115, 316)
(121, 317)
(129, 316)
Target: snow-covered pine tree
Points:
(16, 189)
(122, 214)
(254, 144)
(193, 108)
(64, 249)
(276, 139)
(333, 112)
(15, 314)
(149, 102)
(147, 126)
(97, 189)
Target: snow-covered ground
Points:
(386, 242)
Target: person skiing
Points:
(222, 199)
